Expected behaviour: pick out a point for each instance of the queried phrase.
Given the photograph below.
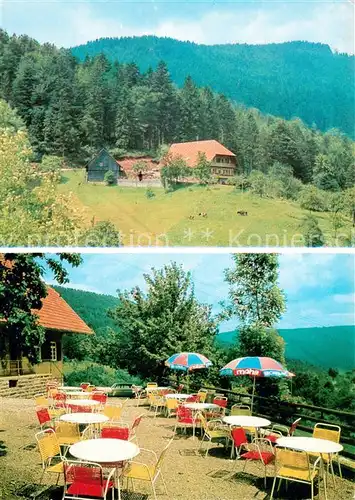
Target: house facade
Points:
(57, 318)
(101, 163)
(223, 162)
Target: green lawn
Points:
(164, 219)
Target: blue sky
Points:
(69, 22)
(319, 287)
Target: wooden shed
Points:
(101, 163)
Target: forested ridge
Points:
(72, 109)
(293, 79)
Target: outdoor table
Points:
(76, 394)
(201, 406)
(177, 396)
(106, 452)
(103, 389)
(84, 418)
(69, 388)
(312, 445)
(247, 421)
(81, 402)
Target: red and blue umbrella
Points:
(255, 366)
(188, 361)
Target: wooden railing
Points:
(15, 368)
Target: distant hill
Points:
(91, 307)
(327, 347)
(294, 79)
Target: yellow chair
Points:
(67, 433)
(49, 449)
(240, 410)
(202, 394)
(152, 385)
(171, 406)
(157, 403)
(113, 411)
(331, 433)
(147, 472)
(213, 430)
(295, 466)
(41, 400)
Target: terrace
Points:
(188, 473)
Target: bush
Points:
(312, 233)
(312, 198)
(100, 375)
(109, 178)
(149, 193)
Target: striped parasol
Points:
(255, 366)
(188, 361)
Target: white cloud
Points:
(69, 24)
(348, 298)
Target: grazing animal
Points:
(191, 217)
(202, 214)
(242, 212)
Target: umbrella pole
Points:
(252, 398)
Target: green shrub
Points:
(312, 198)
(100, 375)
(149, 193)
(109, 178)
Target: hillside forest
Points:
(69, 109)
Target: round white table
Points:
(150, 389)
(81, 402)
(84, 418)
(177, 396)
(201, 406)
(66, 388)
(246, 421)
(76, 394)
(103, 389)
(310, 444)
(104, 451)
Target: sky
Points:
(319, 287)
(68, 22)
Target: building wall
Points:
(98, 166)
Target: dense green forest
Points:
(326, 347)
(291, 79)
(71, 109)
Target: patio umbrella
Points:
(187, 362)
(255, 366)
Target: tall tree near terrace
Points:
(257, 301)
(166, 319)
(21, 290)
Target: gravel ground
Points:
(188, 475)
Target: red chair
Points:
(101, 397)
(239, 440)
(193, 398)
(259, 449)
(185, 418)
(84, 385)
(221, 401)
(278, 430)
(59, 400)
(86, 480)
(44, 418)
(180, 387)
(133, 429)
(118, 430)
(80, 408)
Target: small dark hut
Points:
(101, 163)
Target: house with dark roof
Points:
(223, 162)
(57, 318)
(101, 163)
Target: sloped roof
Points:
(56, 314)
(126, 164)
(190, 150)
